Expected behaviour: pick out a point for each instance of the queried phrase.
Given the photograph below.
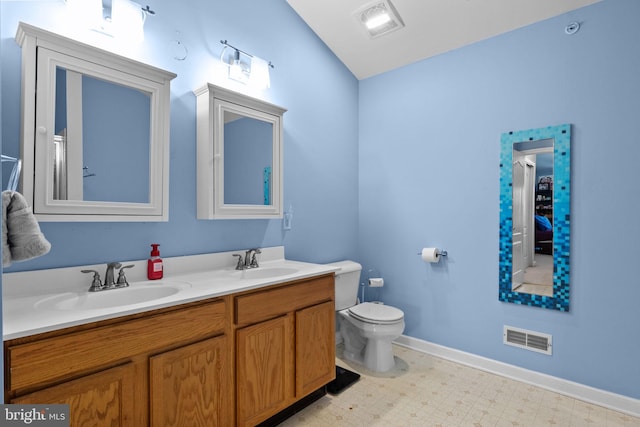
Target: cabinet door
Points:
(190, 386)
(264, 364)
(104, 399)
(315, 347)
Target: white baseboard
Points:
(582, 392)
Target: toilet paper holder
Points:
(439, 252)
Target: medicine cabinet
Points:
(239, 150)
(95, 139)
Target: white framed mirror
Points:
(239, 166)
(95, 141)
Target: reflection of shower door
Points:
(60, 166)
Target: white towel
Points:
(21, 236)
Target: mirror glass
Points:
(532, 201)
(534, 217)
(102, 140)
(248, 155)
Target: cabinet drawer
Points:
(262, 305)
(48, 359)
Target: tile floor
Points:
(424, 390)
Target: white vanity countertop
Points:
(27, 296)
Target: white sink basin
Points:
(264, 272)
(134, 294)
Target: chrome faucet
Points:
(250, 260)
(109, 275)
(109, 278)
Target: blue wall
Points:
(377, 170)
(429, 157)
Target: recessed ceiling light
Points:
(378, 18)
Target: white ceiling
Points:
(431, 27)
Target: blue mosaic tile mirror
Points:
(535, 169)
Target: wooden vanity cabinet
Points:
(170, 367)
(235, 360)
(285, 346)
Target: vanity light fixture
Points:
(238, 70)
(122, 19)
(246, 68)
(379, 18)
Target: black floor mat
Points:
(344, 378)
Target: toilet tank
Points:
(347, 283)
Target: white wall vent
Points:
(534, 341)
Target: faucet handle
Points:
(96, 283)
(240, 264)
(254, 261)
(122, 280)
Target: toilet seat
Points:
(376, 313)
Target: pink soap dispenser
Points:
(154, 264)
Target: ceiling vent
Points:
(529, 340)
(379, 18)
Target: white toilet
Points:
(367, 329)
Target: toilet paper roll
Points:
(376, 282)
(430, 254)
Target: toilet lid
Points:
(377, 313)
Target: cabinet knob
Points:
(42, 129)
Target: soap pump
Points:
(154, 264)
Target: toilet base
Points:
(375, 353)
(378, 356)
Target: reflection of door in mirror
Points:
(248, 158)
(102, 140)
(532, 236)
(519, 222)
